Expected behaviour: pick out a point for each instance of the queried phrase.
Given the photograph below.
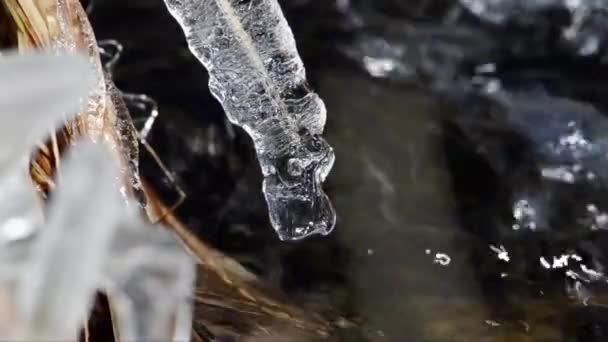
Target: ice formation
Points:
(61, 273)
(255, 72)
(105, 117)
(88, 239)
(25, 122)
(149, 279)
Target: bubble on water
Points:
(442, 259)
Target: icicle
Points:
(105, 117)
(257, 75)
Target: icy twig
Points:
(258, 77)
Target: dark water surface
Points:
(414, 256)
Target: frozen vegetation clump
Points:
(53, 261)
(257, 75)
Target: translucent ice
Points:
(257, 75)
(105, 116)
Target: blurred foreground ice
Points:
(54, 259)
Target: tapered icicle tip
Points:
(297, 205)
(298, 218)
